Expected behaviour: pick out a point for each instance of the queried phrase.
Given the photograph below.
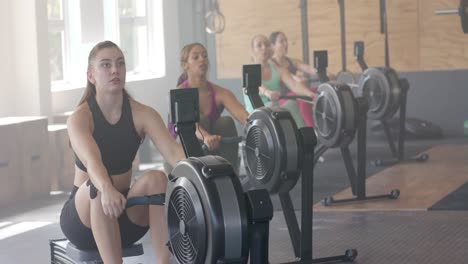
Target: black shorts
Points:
(82, 237)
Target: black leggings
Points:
(224, 127)
(82, 236)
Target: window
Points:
(133, 37)
(75, 26)
(56, 39)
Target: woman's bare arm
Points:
(297, 87)
(231, 104)
(80, 132)
(305, 68)
(309, 69)
(154, 127)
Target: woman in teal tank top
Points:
(272, 76)
(272, 84)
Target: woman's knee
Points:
(167, 168)
(293, 108)
(83, 203)
(225, 126)
(152, 182)
(226, 121)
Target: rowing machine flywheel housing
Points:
(206, 212)
(271, 150)
(382, 89)
(335, 114)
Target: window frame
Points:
(73, 49)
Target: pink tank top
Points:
(214, 111)
(212, 116)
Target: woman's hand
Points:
(211, 141)
(273, 96)
(311, 93)
(113, 202)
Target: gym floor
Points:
(426, 224)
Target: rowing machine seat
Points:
(63, 252)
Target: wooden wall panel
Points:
(324, 31)
(246, 18)
(443, 44)
(418, 39)
(363, 23)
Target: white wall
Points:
(27, 64)
(6, 67)
(24, 70)
(43, 70)
(153, 92)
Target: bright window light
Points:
(20, 228)
(75, 26)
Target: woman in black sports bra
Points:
(105, 132)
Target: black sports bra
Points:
(118, 143)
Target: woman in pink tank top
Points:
(213, 100)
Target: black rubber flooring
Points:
(457, 200)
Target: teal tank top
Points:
(274, 84)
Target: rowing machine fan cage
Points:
(206, 212)
(335, 114)
(271, 149)
(382, 89)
